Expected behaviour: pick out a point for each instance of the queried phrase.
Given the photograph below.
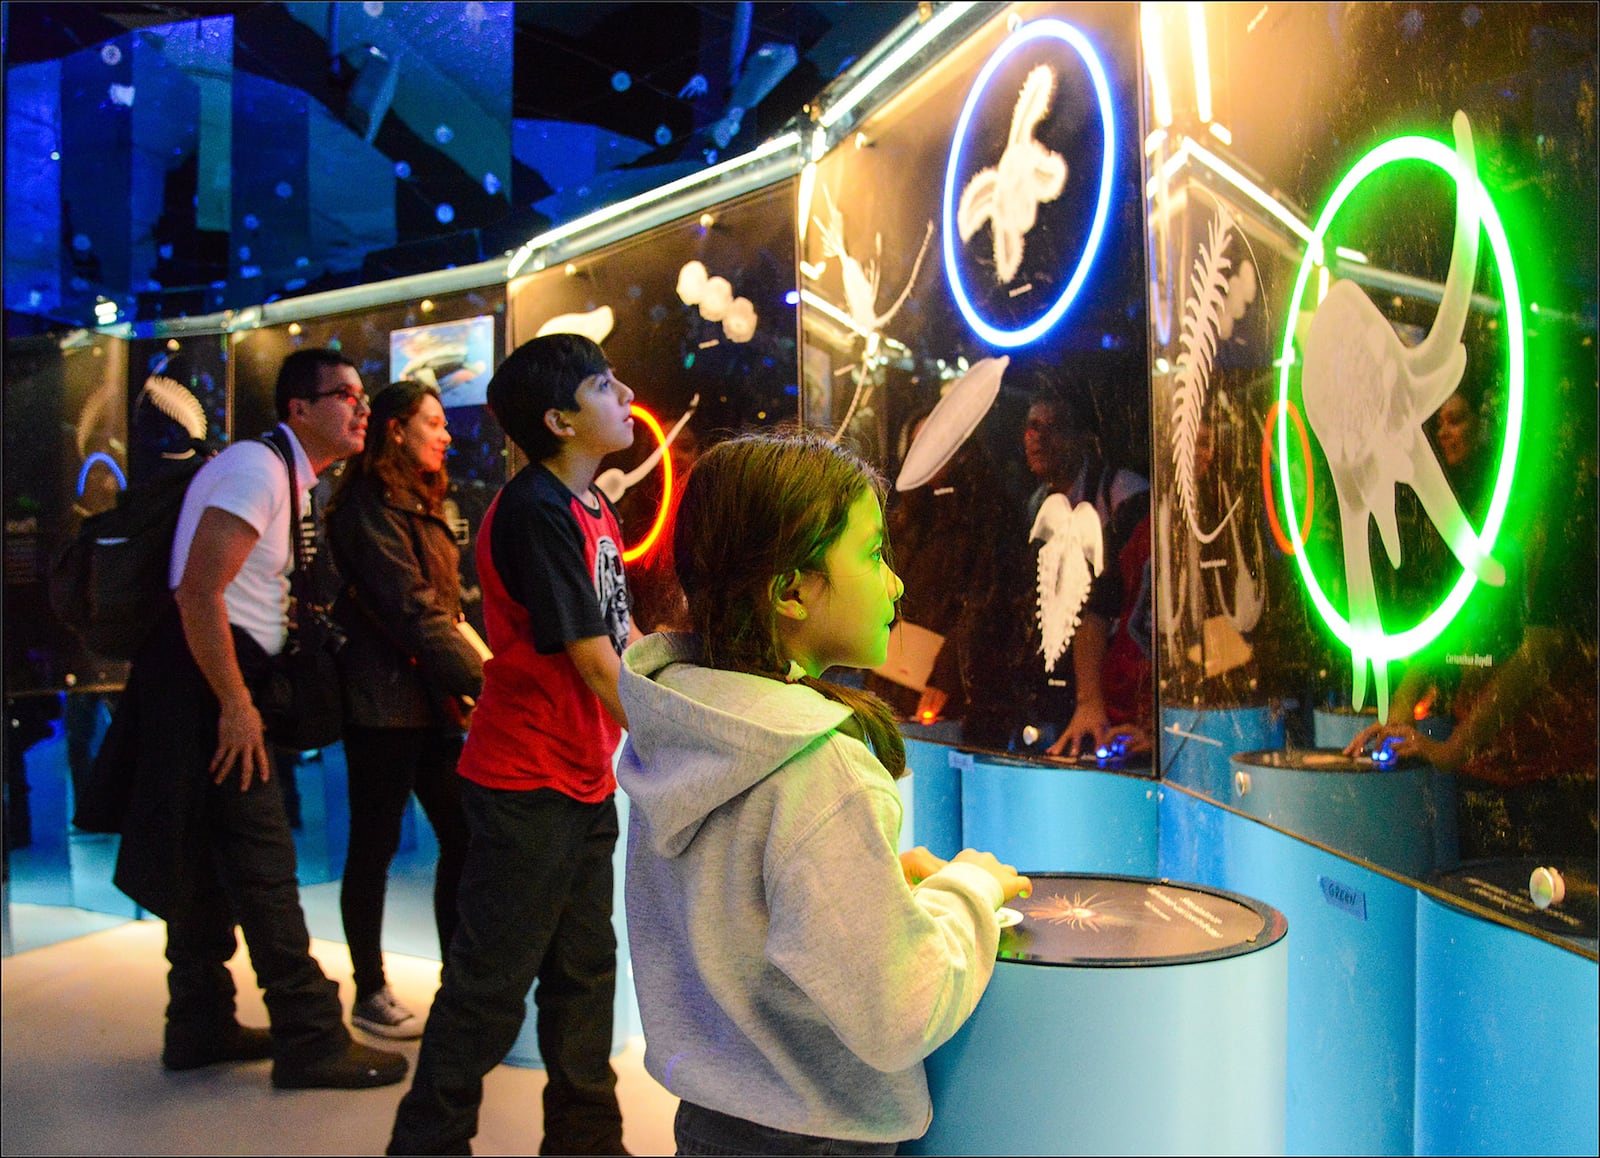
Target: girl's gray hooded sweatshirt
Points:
(786, 973)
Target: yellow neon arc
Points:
(632, 553)
(1382, 646)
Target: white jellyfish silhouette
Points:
(692, 280)
(1072, 554)
(1008, 195)
(739, 323)
(1366, 398)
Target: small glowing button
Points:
(1546, 887)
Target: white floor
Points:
(80, 1070)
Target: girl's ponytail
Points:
(876, 720)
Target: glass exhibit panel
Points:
(66, 457)
(454, 340)
(973, 317)
(698, 318)
(1372, 259)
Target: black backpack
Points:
(110, 582)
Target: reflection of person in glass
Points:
(1516, 679)
(946, 528)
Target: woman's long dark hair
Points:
(385, 460)
(757, 509)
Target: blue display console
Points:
(1125, 1016)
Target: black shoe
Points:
(239, 1044)
(356, 1067)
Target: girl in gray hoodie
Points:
(792, 970)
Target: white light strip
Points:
(633, 204)
(1155, 64)
(1154, 141)
(1202, 60)
(1350, 254)
(890, 64)
(1256, 193)
(1221, 132)
(828, 310)
(833, 313)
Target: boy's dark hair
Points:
(300, 376)
(540, 375)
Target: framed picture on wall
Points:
(457, 357)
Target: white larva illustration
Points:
(1205, 314)
(1072, 554)
(595, 325)
(1366, 398)
(614, 483)
(861, 296)
(1008, 195)
(714, 298)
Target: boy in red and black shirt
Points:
(535, 896)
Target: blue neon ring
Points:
(1058, 30)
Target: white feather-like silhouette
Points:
(1203, 315)
(177, 403)
(1366, 398)
(1008, 195)
(1071, 555)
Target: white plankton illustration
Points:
(1367, 396)
(861, 295)
(1008, 195)
(1073, 553)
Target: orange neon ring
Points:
(1266, 477)
(632, 553)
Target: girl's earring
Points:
(795, 674)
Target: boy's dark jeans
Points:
(535, 902)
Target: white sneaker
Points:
(383, 1015)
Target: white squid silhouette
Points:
(1008, 195)
(1073, 553)
(1366, 398)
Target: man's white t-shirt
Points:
(248, 480)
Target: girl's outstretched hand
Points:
(1011, 884)
(919, 864)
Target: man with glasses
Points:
(206, 842)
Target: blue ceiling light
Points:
(1034, 30)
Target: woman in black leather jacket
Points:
(409, 675)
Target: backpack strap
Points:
(279, 442)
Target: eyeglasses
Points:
(354, 397)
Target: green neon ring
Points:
(1382, 646)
